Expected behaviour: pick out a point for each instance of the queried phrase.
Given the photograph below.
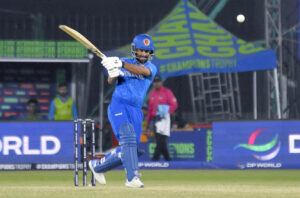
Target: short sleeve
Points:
(152, 69)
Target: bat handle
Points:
(100, 54)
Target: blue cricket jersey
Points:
(132, 88)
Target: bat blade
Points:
(80, 38)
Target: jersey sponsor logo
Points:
(146, 42)
(118, 114)
(129, 74)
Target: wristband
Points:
(123, 64)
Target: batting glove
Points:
(111, 63)
(113, 73)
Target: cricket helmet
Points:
(144, 42)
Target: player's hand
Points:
(111, 63)
(113, 73)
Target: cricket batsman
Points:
(133, 77)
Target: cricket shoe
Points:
(134, 183)
(98, 176)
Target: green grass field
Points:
(166, 184)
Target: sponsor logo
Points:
(43, 86)
(43, 100)
(23, 100)
(57, 166)
(15, 167)
(39, 166)
(8, 114)
(292, 143)
(118, 114)
(20, 93)
(272, 147)
(5, 107)
(27, 86)
(12, 85)
(19, 107)
(32, 93)
(209, 147)
(44, 93)
(10, 100)
(21, 145)
(153, 164)
(44, 108)
(8, 93)
(263, 165)
(177, 150)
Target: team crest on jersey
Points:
(146, 42)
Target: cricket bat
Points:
(80, 38)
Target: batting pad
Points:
(129, 155)
(109, 161)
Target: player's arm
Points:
(112, 64)
(137, 69)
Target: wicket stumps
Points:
(80, 130)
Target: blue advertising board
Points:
(184, 146)
(256, 144)
(36, 142)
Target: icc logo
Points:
(146, 42)
(272, 147)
